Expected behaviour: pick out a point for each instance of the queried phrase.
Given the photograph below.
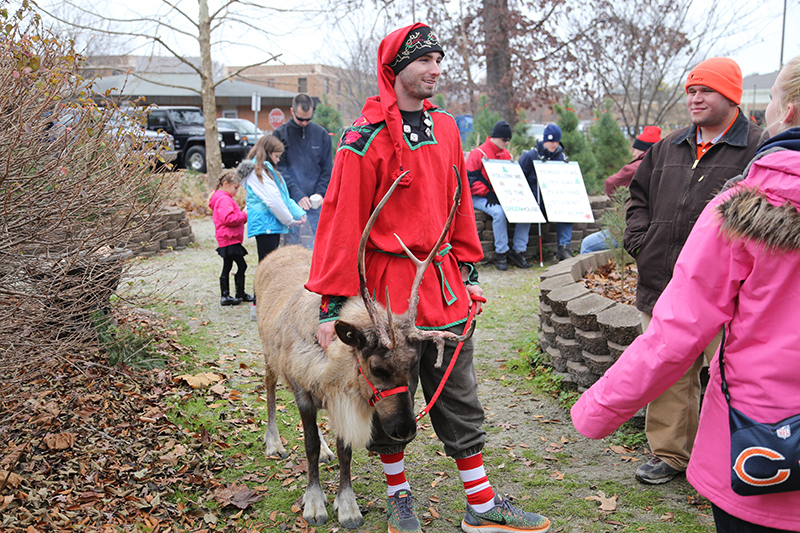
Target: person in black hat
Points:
(484, 198)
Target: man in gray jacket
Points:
(306, 162)
(675, 181)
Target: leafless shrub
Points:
(75, 191)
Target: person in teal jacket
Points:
(270, 209)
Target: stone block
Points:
(169, 225)
(560, 297)
(175, 234)
(549, 333)
(583, 311)
(562, 326)
(568, 383)
(558, 361)
(598, 364)
(544, 313)
(183, 242)
(570, 349)
(191, 237)
(580, 373)
(186, 230)
(166, 244)
(546, 286)
(615, 350)
(592, 341)
(556, 270)
(620, 324)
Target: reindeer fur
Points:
(288, 316)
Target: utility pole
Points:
(783, 32)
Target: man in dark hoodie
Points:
(400, 130)
(548, 149)
(306, 163)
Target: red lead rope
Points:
(453, 360)
(379, 395)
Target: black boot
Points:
(501, 263)
(518, 258)
(225, 291)
(239, 279)
(563, 253)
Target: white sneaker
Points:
(253, 315)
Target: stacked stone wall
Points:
(581, 332)
(169, 229)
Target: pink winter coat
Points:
(229, 220)
(740, 268)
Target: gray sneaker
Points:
(655, 472)
(503, 518)
(400, 513)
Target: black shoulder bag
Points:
(765, 458)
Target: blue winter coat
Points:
(261, 219)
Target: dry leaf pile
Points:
(83, 444)
(606, 281)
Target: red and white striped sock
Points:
(480, 495)
(395, 470)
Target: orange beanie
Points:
(719, 73)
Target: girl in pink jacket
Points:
(229, 223)
(739, 269)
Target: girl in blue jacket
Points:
(270, 209)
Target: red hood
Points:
(384, 107)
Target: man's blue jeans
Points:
(500, 227)
(564, 233)
(594, 242)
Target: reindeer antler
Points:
(362, 278)
(388, 338)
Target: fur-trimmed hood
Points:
(765, 206)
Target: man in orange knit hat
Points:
(674, 182)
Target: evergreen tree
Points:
(329, 118)
(521, 141)
(482, 123)
(610, 146)
(577, 147)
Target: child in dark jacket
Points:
(229, 223)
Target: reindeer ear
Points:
(350, 335)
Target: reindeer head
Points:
(388, 347)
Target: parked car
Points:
(249, 132)
(118, 126)
(155, 143)
(535, 130)
(186, 125)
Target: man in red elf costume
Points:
(400, 130)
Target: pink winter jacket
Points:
(229, 220)
(740, 268)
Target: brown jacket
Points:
(669, 190)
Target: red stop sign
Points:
(276, 118)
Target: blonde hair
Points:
(790, 90)
(227, 176)
(266, 144)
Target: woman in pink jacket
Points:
(739, 269)
(229, 223)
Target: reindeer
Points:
(364, 374)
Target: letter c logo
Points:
(757, 451)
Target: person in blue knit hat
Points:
(548, 149)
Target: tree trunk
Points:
(498, 58)
(213, 154)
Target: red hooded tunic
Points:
(371, 154)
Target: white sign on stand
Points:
(513, 191)
(563, 191)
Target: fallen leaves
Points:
(198, 381)
(607, 504)
(237, 495)
(61, 441)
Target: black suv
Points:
(186, 125)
